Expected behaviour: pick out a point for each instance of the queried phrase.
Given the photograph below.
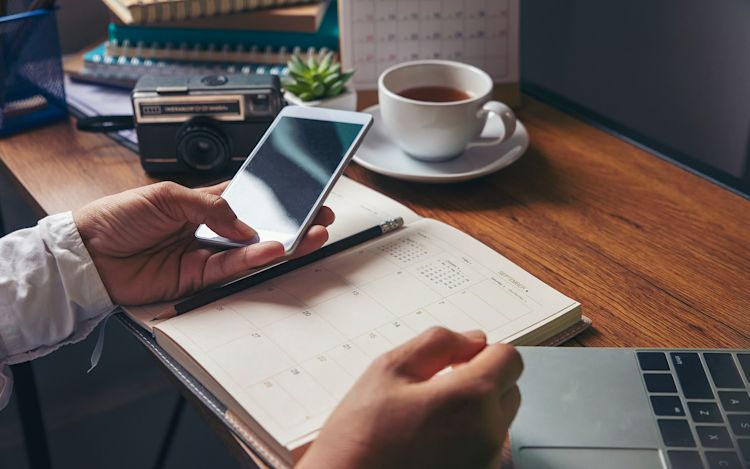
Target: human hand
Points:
(401, 414)
(143, 246)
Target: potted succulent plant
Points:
(319, 83)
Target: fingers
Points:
(216, 189)
(315, 237)
(499, 364)
(324, 217)
(433, 350)
(226, 265)
(509, 404)
(196, 207)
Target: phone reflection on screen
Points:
(277, 189)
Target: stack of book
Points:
(208, 36)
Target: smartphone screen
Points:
(281, 185)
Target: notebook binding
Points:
(224, 53)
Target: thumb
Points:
(436, 348)
(199, 207)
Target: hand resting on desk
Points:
(142, 243)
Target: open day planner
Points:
(282, 354)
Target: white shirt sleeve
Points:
(50, 293)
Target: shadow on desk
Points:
(531, 179)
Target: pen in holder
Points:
(32, 90)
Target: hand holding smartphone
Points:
(285, 180)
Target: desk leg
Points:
(32, 423)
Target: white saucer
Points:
(379, 154)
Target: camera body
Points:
(202, 123)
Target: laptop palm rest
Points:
(583, 408)
(577, 458)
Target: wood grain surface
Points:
(657, 256)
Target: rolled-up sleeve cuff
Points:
(53, 293)
(78, 272)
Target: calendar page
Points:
(377, 34)
(288, 350)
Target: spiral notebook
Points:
(124, 70)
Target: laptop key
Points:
(735, 401)
(691, 375)
(653, 361)
(723, 460)
(714, 437)
(685, 459)
(667, 406)
(705, 412)
(723, 370)
(740, 424)
(744, 444)
(744, 359)
(676, 433)
(659, 382)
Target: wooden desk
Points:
(656, 255)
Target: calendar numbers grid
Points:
(386, 32)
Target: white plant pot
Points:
(346, 101)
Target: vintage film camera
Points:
(202, 123)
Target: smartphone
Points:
(284, 181)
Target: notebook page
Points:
(357, 208)
(288, 350)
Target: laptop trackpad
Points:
(576, 458)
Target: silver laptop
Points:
(632, 408)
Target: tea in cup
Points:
(435, 109)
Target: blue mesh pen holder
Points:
(32, 90)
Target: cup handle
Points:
(505, 114)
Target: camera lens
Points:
(202, 146)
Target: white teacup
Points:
(438, 130)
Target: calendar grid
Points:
(377, 35)
(322, 338)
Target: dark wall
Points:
(673, 73)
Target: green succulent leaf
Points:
(295, 68)
(346, 76)
(311, 62)
(306, 96)
(296, 89)
(330, 79)
(316, 77)
(318, 89)
(325, 63)
(334, 69)
(296, 63)
(297, 76)
(335, 89)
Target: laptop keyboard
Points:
(701, 401)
